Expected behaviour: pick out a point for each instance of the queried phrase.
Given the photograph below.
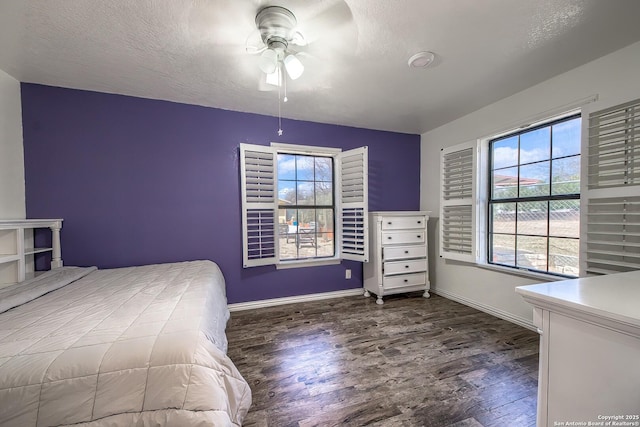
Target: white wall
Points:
(12, 198)
(615, 78)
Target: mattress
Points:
(141, 346)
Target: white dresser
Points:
(589, 350)
(398, 258)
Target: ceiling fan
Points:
(277, 30)
(321, 33)
(313, 37)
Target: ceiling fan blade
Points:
(317, 21)
(254, 44)
(298, 39)
(221, 23)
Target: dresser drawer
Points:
(400, 237)
(405, 280)
(402, 267)
(403, 223)
(402, 252)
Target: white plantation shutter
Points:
(614, 146)
(353, 204)
(613, 234)
(613, 191)
(258, 168)
(458, 172)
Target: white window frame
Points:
(485, 210)
(259, 194)
(479, 200)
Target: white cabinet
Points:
(589, 349)
(17, 247)
(398, 258)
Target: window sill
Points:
(283, 265)
(522, 273)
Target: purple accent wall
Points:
(142, 181)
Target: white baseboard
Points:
(295, 299)
(525, 323)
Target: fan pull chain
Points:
(279, 109)
(284, 77)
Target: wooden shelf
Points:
(8, 258)
(31, 251)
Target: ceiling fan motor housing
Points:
(276, 25)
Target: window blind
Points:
(614, 146)
(458, 202)
(259, 204)
(613, 235)
(613, 197)
(354, 240)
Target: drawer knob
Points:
(406, 280)
(406, 252)
(419, 236)
(406, 266)
(389, 237)
(389, 222)
(419, 222)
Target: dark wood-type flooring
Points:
(411, 362)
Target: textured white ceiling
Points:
(356, 63)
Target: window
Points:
(534, 198)
(303, 205)
(513, 200)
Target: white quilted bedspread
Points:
(138, 346)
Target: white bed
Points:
(141, 346)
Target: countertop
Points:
(615, 297)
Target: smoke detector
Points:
(421, 59)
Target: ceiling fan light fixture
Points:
(274, 78)
(294, 67)
(268, 61)
(421, 59)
